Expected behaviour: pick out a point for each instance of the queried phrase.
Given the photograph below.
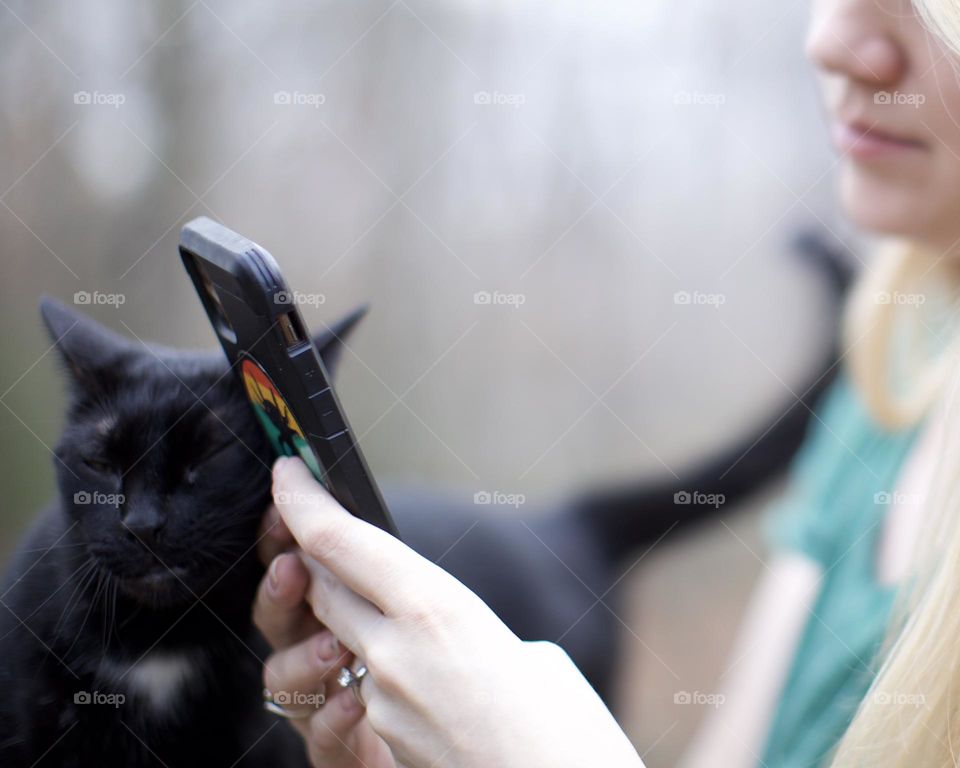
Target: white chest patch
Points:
(158, 679)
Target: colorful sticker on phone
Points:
(275, 416)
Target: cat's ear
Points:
(330, 341)
(89, 349)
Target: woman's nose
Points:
(854, 39)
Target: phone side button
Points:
(326, 409)
(305, 362)
(322, 396)
(342, 438)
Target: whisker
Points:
(74, 599)
(90, 606)
(50, 549)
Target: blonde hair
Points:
(908, 717)
(894, 307)
(943, 18)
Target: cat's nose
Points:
(144, 522)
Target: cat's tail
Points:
(631, 516)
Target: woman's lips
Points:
(866, 142)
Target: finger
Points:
(280, 611)
(367, 559)
(274, 536)
(337, 732)
(350, 616)
(307, 667)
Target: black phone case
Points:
(259, 327)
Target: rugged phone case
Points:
(261, 331)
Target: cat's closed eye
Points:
(215, 450)
(99, 465)
(192, 470)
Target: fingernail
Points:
(273, 581)
(327, 647)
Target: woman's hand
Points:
(307, 660)
(447, 682)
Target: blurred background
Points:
(523, 192)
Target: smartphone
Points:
(265, 340)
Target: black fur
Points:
(163, 476)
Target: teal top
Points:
(832, 512)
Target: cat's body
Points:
(552, 574)
(95, 681)
(125, 630)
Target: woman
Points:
(909, 717)
(846, 531)
(445, 682)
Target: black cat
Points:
(125, 631)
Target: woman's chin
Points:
(882, 206)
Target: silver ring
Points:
(272, 706)
(347, 678)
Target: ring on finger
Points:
(349, 678)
